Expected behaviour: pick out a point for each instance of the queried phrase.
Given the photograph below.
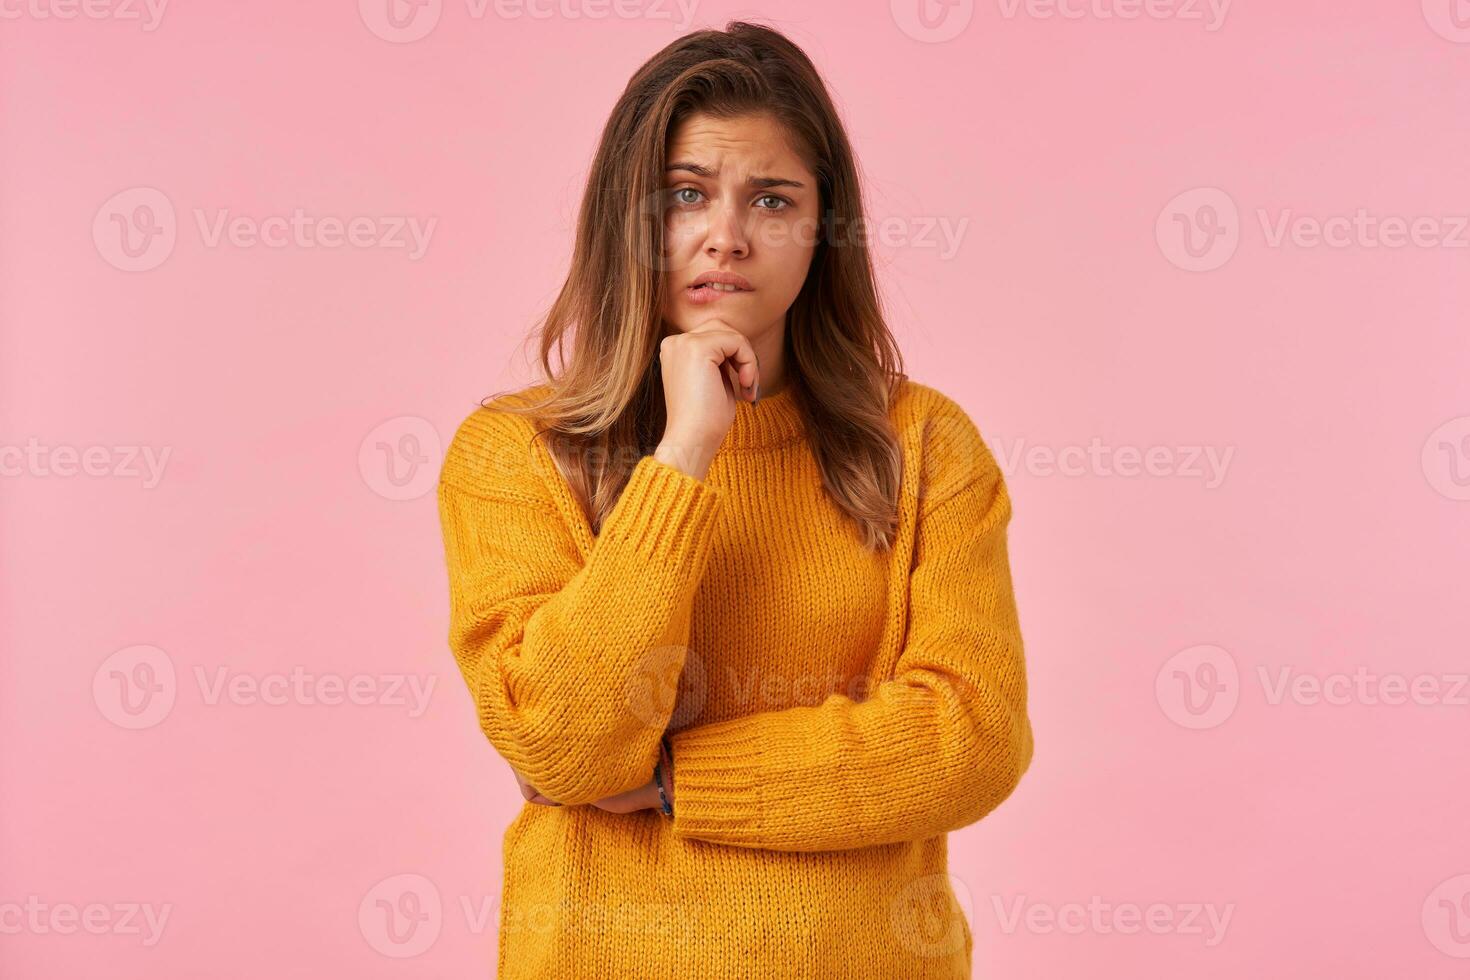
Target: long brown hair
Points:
(605, 410)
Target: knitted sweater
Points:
(833, 712)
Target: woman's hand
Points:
(703, 371)
(531, 793)
(644, 797)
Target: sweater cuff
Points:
(662, 511)
(717, 790)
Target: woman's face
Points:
(737, 200)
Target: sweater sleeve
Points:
(560, 653)
(933, 749)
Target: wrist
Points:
(662, 784)
(690, 458)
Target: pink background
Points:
(1334, 377)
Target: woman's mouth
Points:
(711, 292)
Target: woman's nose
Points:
(726, 232)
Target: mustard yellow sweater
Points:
(832, 712)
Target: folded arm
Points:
(564, 657)
(933, 749)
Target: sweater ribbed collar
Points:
(773, 421)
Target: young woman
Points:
(730, 592)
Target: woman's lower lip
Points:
(699, 297)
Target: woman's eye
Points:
(767, 202)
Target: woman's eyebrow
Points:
(702, 171)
